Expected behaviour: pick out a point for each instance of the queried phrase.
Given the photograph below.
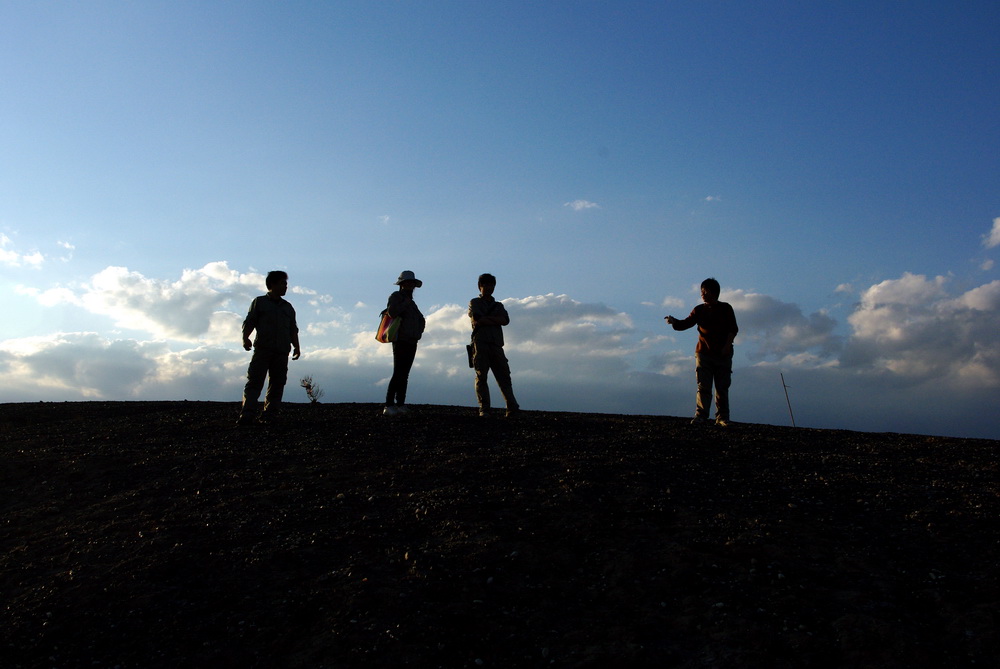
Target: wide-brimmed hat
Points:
(407, 275)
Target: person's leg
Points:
(390, 391)
(256, 373)
(403, 355)
(703, 401)
(723, 379)
(277, 376)
(501, 372)
(481, 363)
(407, 361)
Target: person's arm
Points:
(249, 323)
(294, 332)
(731, 334)
(474, 312)
(728, 348)
(498, 316)
(682, 324)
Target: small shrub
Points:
(313, 392)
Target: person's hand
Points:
(295, 354)
(670, 320)
(247, 344)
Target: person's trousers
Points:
(403, 355)
(484, 358)
(269, 364)
(718, 371)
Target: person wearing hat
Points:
(404, 349)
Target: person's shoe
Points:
(390, 411)
(484, 413)
(244, 421)
(721, 422)
(267, 417)
(698, 420)
(513, 413)
(402, 409)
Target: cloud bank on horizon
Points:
(920, 353)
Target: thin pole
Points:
(787, 401)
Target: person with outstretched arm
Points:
(713, 354)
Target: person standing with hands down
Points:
(488, 318)
(713, 354)
(274, 320)
(404, 348)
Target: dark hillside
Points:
(154, 534)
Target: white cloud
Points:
(778, 329)
(673, 303)
(68, 251)
(559, 326)
(180, 309)
(992, 239)
(13, 258)
(913, 328)
(83, 365)
(50, 297)
(581, 205)
(203, 305)
(910, 290)
(339, 321)
(981, 298)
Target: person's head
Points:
(487, 282)
(277, 282)
(710, 290)
(408, 280)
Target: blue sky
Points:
(835, 165)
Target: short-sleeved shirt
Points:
(273, 318)
(715, 323)
(480, 307)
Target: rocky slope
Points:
(157, 535)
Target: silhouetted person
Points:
(273, 318)
(404, 349)
(713, 354)
(488, 318)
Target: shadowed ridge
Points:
(155, 534)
